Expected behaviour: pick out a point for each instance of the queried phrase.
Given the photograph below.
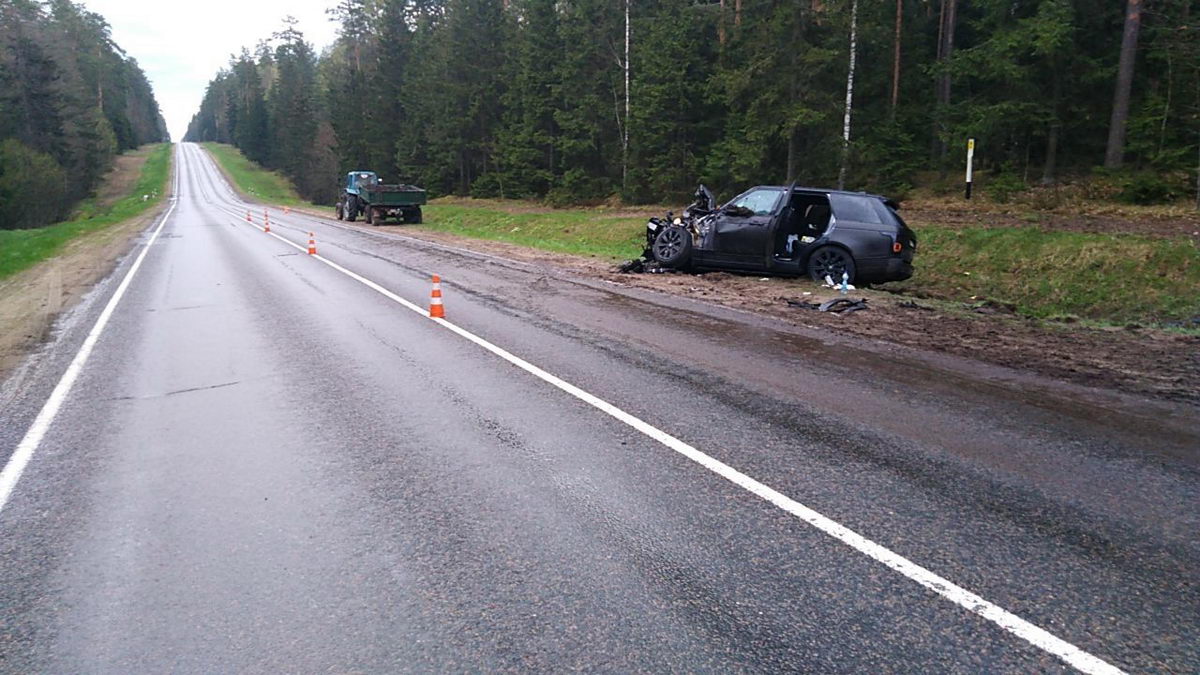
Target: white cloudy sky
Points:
(181, 45)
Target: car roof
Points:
(823, 190)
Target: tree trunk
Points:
(849, 95)
(896, 60)
(721, 25)
(1050, 168)
(737, 12)
(1114, 155)
(625, 131)
(793, 156)
(946, 29)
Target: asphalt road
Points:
(267, 465)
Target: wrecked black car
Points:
(790, 231)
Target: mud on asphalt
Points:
(1138, 360)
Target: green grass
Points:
(1107, 278)
(22, 249)
(575, 231)
(266, 186)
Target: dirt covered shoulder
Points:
(1158, 363)
(32, 299)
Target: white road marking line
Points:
(41, 424)
(1038, 637)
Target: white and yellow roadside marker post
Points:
(970, 162)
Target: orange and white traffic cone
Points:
(436, 309)
(287, 209)
(312, 244)
(266, 222)
(248, 218)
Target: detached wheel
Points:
(673, 247)
(832, 262)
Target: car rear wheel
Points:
(673, 247)
(832, 262)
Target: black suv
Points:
(790, 231)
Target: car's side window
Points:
(855, 208)
(761, 202)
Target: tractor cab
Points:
(357, 180)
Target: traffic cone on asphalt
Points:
(436, 309)
(312, 244)
(248, 218)
(266, 222)
(287, 209)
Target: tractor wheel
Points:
(413, 216)
(351, 208)
(337, 210)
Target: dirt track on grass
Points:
(1152, 362)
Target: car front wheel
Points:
(832, 262)
(673, 247)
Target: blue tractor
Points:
(364, 194)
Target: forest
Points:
(586, 100)
(70, 101)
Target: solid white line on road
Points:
(33, 437)
(1038, 637)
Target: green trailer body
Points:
(364, 194)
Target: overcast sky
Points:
(181, 45)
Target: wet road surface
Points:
(266, 465)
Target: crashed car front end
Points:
(687, 231)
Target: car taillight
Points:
(896, 247)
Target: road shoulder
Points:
(33, 299)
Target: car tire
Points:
(830, 261)
(673, 247)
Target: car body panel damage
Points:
(788, 231)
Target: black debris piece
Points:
(802, 304)
(835, 306)
(843, 305)
(635, 266)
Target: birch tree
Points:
(849, 95)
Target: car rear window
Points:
(887, 213)
(855, 208)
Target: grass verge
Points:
(1049, 275)
(22, 249)
(575, 231)
(266, 186)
